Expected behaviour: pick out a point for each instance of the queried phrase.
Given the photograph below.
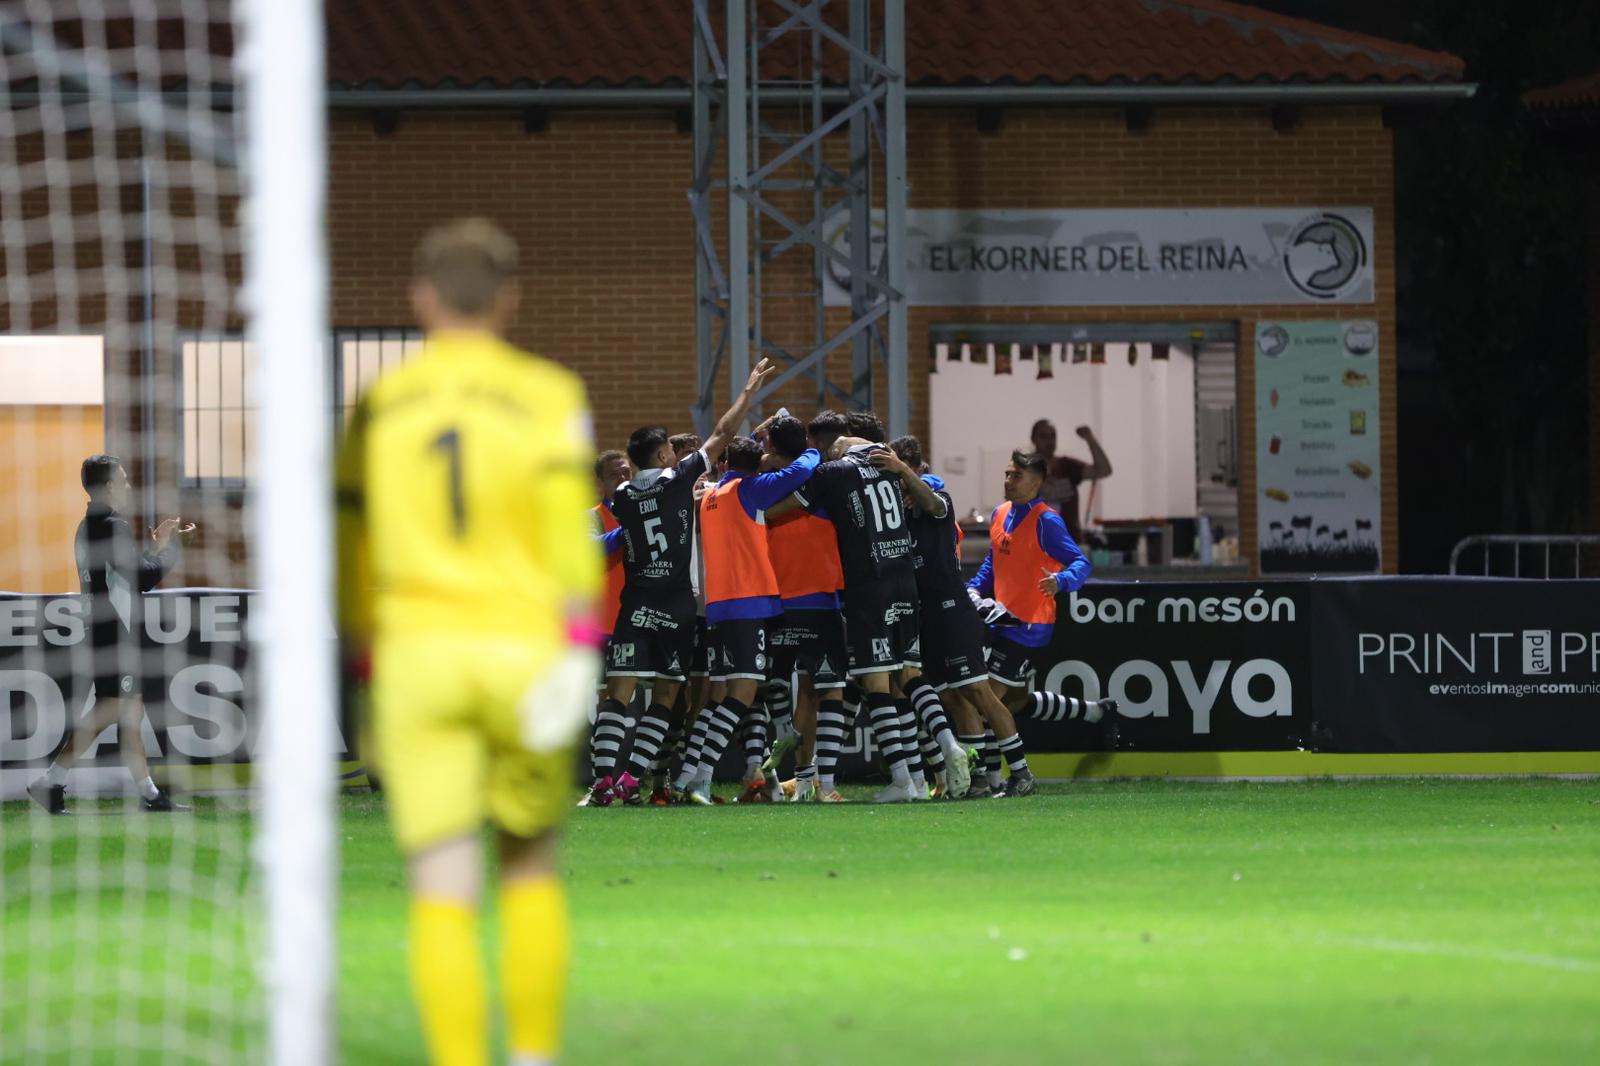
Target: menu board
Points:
(1317, 468)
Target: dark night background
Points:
(1492, 266)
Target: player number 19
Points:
(885, 514)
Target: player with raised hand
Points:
(114, 573)
(655, 632)
(468, 567)
(1031, 558)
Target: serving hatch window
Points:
(1161, 410)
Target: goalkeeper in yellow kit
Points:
(468, 569)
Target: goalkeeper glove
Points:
(555, 708)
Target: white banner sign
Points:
(1318, 473)
(1049, 258)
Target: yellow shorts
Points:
(447, 742)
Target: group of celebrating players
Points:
(776, 585)
(791, 579)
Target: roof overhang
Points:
(919, 96)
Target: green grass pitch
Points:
(1159, 922)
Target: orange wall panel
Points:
(42, 449)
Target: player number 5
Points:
(657, 539)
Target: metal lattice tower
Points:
(792, 215)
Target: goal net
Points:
(165, 646)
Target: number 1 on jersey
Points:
(449, 442)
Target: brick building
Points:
(1169, 105)
(567, 123)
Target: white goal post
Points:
(169, 714)
(281, 60)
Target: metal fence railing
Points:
(1530, 555)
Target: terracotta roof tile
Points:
(1577, 93)
(647, 42)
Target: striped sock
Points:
(852, 700)
(671, 747)
(908, 739)
(991, 758)
(647, 739)
(1054, 707)
(610, 730)
(930, 709)
(694, 746)
(932, 757)
(1016, 758)
(804, 775)
(780, 706)
(831, 724)
(885, 719)
(754, 729)
(724, 720)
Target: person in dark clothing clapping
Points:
(113, 574)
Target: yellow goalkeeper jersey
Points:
(464, 486)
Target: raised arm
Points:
(1099, 465)
(157, 563)
(733, 418)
